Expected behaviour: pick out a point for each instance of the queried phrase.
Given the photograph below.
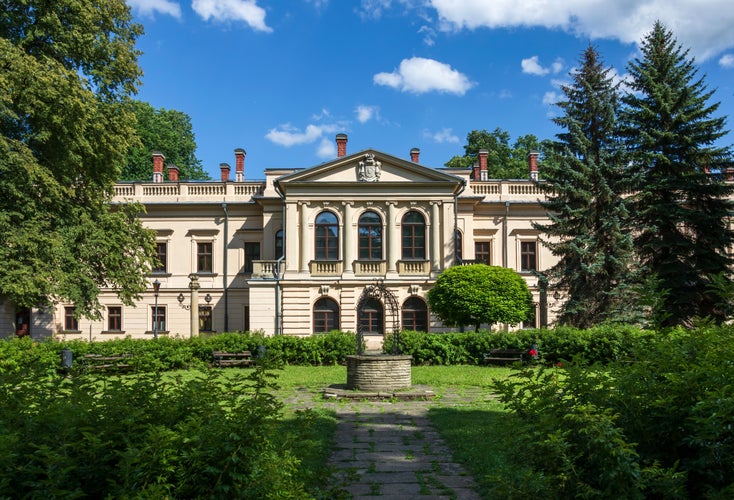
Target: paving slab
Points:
(390, 449)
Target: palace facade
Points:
(294, 254)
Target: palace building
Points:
(294, 254)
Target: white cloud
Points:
(323, 114)
(702, 25)
(326, 149)
(420, 75)
(727, 61)
(550, 98)
(532, 66)
(232, 10)
(373, 9)
(442, 136)
(288, 135)
(366, 113)
(150, 7)
(429, 35)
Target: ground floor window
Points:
(205, 319)
(415, 315)
(371, 317)
(114, 318)
(325, 315)
(159, 318)
(70, 322)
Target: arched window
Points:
(370, 236)
(278, 244)
(371, 317)
(414, 236)
(415, 315)
(325, 315)
(327, 236)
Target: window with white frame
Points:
(528, 256)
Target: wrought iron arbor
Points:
(379, 292)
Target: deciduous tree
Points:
(168, 131)
(504, 161)
(68, 68)
(480, 294)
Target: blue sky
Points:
(282, 78)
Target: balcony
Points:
(320, 268)
(267, 269)
(370, 267)
(414, 267)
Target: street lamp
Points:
(156, 289)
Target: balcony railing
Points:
(507, 190)
(370, 267)
(267, 269)
(414, 267)
(326, 267)
(172, 191)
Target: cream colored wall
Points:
(183, 214)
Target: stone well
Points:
(382, 372)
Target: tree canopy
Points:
(168, 131)
(504, 161)
(588, 216)
(69, 69)
(480, 294)
(681, 210)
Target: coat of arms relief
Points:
(369, 169)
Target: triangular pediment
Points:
(369, 170)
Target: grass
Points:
(463, 425)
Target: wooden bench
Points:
(223, 358)
(114, 362)
(506, 356)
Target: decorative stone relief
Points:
(369, 169)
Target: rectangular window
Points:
(252, 253)
(247, 319)
(161, 249)
(158, 318)
(70, 322)
(481, 252)
(205, 318)
(204, 257)
(528, 256)
(114, 318)
(531, 321)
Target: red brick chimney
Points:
(158, 159)
(341, 145)
(533, 165)
(239, 164)
(225, 168)
(483, 154)
(172, 172)
(415, 154)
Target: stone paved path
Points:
(391, 450)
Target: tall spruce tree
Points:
(587, 211)
(681, 210)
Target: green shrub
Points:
(143, 437)
(660, 416)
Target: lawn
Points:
(475, 418)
